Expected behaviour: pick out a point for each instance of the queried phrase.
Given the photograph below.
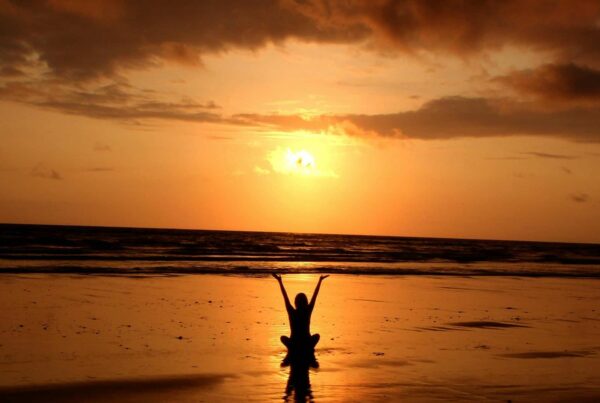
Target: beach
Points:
(216, 338)
(429, 169)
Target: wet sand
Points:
(216, 338)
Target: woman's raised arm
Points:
(314, 297)
(288, 306)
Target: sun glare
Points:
(288, 161)
(306, 155)
(302, 160)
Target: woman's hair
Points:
(301, 301)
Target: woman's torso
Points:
(300, 324)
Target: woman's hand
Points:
(323, 277)
(277, 276)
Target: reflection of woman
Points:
(298, 384)
(300, 318)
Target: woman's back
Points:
(300, 323)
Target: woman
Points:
(300, 339)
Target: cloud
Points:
(579, 197)
(261, 171)
(68, 56)
(100, 169)
(41, 171)
(505, 158)
(566, 170)
(78, 49)
(522, 175)
(10, 71)
(95, 38)
(219, 138)
(114, 101)
(442, 118)
(450, 117)
(551, 156)
(568, 29)
(99, 38)
(101, 147)
(563, 83)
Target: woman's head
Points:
(301, 301)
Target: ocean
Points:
(143, 251)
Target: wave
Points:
(263, 268)
(103, 250)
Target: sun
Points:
(294, 162)
(298, 161)
(301, 160)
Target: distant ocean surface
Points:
(132, 251)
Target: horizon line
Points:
(299, 233)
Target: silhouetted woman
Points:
(300, 340)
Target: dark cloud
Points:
(579, 197)
(10, 71)
(569, 29)
(116, 100)
(566, 170)
(80, 40)
(93, 38)
(569, 83)
(551, 156)
(451, 117)
(41, 171)
(73, 46)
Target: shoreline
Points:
(264, 269)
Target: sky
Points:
(469, 119)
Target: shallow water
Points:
(209, 338)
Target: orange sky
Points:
(446, 119)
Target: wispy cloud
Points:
(100, 169)
(215, 137)
(522, 175)
(41, 171)
(505, 158)
(261, 171)
(443, 118)
(550, 155)
(579, 197)
(566, 170)
(449, 117)
(116, 100)
(101, 147)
